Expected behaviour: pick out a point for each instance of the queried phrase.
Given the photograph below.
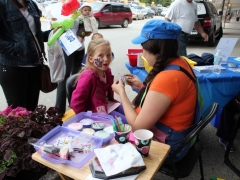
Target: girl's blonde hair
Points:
(95, 44)
(97, 36)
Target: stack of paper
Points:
(98, 172)
(206, 68)
(122, 160)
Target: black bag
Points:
(205, 59)
(208, 58)
(46, 84)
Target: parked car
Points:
(144, 12)
(137, 14)
(46, 3)
(211, 22)
(138, 7)
(150, 12)
(164, 12)
(156, 10)
(107, 13)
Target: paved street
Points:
(120, 39)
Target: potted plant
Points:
(17, 127)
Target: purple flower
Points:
(18, 111)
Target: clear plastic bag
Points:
(56, 62)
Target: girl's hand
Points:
(118, 87)
(134, 81)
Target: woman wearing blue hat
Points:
(166, 100)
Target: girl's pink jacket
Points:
(90, 93)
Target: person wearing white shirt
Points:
(184, 13)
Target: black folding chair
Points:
(70, 86)
(230, 143)
(184, 167)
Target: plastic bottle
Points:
(218, 57)
(217, 62)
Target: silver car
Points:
(137, 14)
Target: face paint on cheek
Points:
(98, 62)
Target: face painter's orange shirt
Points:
(181, 90)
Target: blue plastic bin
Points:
(215, 121)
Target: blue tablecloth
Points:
(215, 88)
(232, 60)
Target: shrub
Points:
(17, 126)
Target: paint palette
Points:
(100, 122)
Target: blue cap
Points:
(158, 29)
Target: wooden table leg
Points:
(63, 177)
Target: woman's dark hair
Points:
(166, 49)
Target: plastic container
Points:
(216, 119)
(96, 117)
(133, 56)
(60, 132)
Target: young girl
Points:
(94, 37)
(93, 91)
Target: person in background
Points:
(93, 90)
(89, 21)
(227, 122)
(94, 36)
(54, 11)
(21, 46)
(97, 36)
(167, 99)
(184, 13)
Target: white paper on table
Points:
(118, 158)
(69, 42)
(207, 68)
(132, 177)
(111, 106)
(226, 46)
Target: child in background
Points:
(97, 36)
(93, 91)
(87, 23)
